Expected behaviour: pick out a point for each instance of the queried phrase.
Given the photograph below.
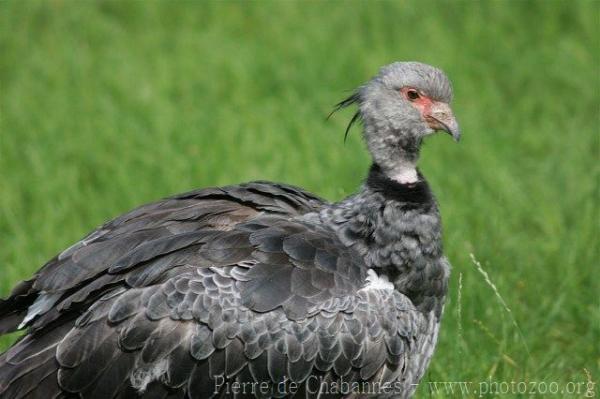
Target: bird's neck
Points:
(395, 227)
(395, 151)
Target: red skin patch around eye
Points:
(423, 103)
(436, 114)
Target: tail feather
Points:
(10, 322)
(14, 308)
(31, 363)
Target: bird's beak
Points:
(440, 117)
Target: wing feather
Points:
(212, 286)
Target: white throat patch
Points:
(375, 282)
(406, 176)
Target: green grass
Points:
(106, 105)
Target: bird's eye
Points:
(412, 94)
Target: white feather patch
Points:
(42, 304)
(143, 376)
(375, 282)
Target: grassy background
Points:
(108, 105)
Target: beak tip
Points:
(453, 131)
(442, 118)
(456, 136)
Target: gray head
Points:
(404, 103)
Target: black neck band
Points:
(416, 193)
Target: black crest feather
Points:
(353, 99)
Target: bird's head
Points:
(404, 103)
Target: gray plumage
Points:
(259, 283)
